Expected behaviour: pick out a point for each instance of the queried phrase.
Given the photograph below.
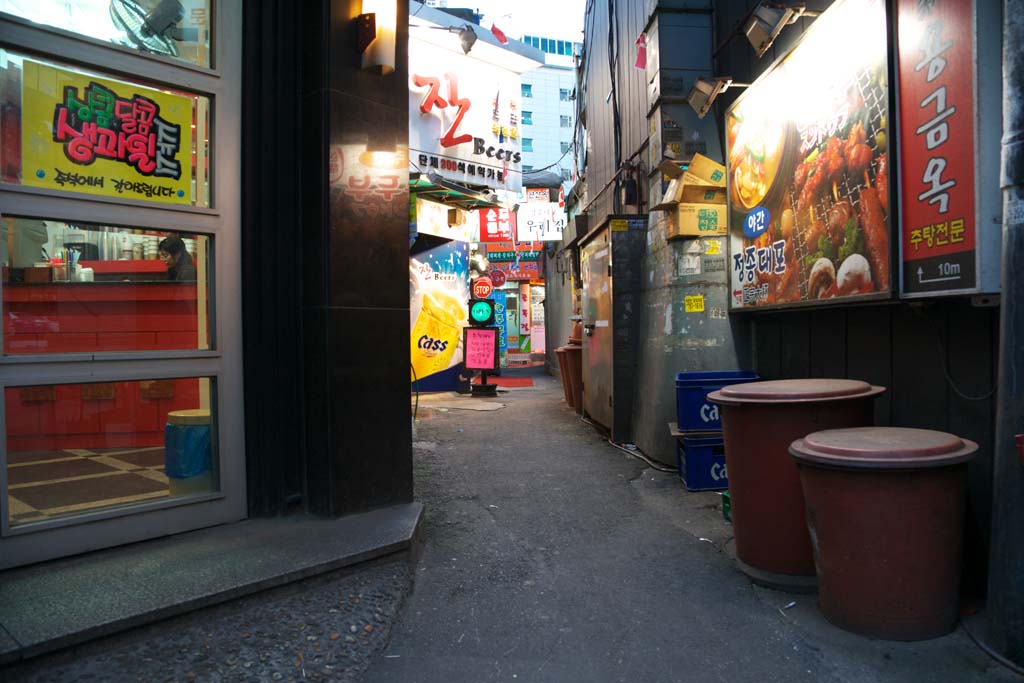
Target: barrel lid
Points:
(794, 390)
(196, 416)
(882, 448)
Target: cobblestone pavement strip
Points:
(324, 629)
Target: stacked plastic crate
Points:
(700, 453)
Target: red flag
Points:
(499, 34)
(641, 51)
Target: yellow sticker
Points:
(100, 136)
(694, 304)
(713, 247)
(620, 225)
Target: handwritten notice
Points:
(480, 346)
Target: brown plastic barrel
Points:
(574, 362)
(759, 422)
(885, 507)
(564, 371)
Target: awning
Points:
(467, 198)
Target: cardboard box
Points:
(698, 197)
(702, 212)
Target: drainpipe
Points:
(1005, 587)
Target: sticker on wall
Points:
(694, 304)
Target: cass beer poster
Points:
(104, 137)
(808, 168)
(438, 290)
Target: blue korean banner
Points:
(501, 322)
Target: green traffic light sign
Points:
(481, 312)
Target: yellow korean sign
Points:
(105, 137)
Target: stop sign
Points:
(482, 287)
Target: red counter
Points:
(96, 317)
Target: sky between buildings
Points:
(547, 18)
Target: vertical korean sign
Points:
(808, 168)
(936, 65)
(105, 137)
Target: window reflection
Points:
(75, 448)
(80, 287)
(173, 28)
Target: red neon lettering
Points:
(433, 95)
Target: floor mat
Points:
(507, 381)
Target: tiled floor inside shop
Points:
(53, 483)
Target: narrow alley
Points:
(552, 556)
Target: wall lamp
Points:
(375, 38)
(705, 90)
(768, 19)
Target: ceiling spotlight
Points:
(705, 90)
(767, 21)
(467, 37)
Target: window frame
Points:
(221, 221)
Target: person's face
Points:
(168, 259)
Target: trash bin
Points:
(188, 452)
(759, 422)
(885, 507)
(574, 363)
(563, 368)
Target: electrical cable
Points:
(944, 358)
(987, 649)
(416, 385)
(640, 455)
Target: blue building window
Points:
(527, 90)
(527, 144)
(528, 118)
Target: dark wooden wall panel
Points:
(828, 343)
(868, 334)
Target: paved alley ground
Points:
(552, 556)
(549, 555)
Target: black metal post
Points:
(1006, 588)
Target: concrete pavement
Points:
(552, 556)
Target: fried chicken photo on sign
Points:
(838, 216)
(814, 229)
(882, 181)
(876, 237)
(833, 161)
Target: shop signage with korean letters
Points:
(519, 251)
(497, 225)
(937, 144)
(464, 117)
(808, 168)
(104, 137)
(540, 222)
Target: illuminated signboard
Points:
(464, 118)
(808, 168)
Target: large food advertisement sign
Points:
(105, 137)
(463, 118)
(936, 64)
(808, 168)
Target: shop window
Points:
(78, 448)
(527, 144)
(159, 28)
(89, 133)
(527, 90)
(84, 288)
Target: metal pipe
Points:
(1006, 558)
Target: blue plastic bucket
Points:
(187, 447)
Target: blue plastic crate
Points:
(701, 463)
(693, 412)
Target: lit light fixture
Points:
(376, 35)
(767, 21)
(704, 91)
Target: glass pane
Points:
(79, 287)
(160, 27)
(74, 448)
(65, 129)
